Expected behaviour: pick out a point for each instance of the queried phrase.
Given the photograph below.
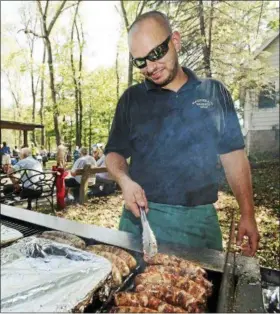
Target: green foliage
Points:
(237, 30)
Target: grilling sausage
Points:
(120, 263)
(184, 272)
(131, 309)
(174, 296)
(145, 300)
(65, 238)
(172, 260)
(116, 276)
(168, 279)
(128, 258)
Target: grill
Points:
(25, 228)
(246, 291)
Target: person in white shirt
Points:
(104, 184)
(27, 187)
(75, 180)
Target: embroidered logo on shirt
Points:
(203, 103)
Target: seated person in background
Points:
(104, 183)
(5, 157)
(16, 152)
(75, 180)
(28, 189)
(76, 153)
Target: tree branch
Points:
(46, 9)
(58, 11)
(124, 15)
(70, 6)
(142, 8)
(40, 8)
(28, 31)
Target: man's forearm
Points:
(238, 174)
(117, 167)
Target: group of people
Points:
(10, 157)
(101, 184)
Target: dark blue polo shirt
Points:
(174, 138)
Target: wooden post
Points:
(84, 184)
(25, 138)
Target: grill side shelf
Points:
(25, 228)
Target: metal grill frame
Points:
(247, 291)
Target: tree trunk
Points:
(205, 47)
(81, 45)
(33, 100)
(41, 112)
(117, 74)
(78, 137)
(130, 66)
(90, 126)
(46, 35)
(53, 92)
(130, 71)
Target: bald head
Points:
(152, 31)
(149, 27)
(25, 152)
(158, 17)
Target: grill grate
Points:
(97, 306)
(25, 228)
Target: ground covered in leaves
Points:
(106, 211)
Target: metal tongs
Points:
(150, 248)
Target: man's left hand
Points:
(248, 227)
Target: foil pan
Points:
(40, 275)
(9, 235)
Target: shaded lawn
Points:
(106, 211)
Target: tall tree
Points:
(75, 81)
(42, 96)
(130, 12)
(81, 42)
(46, 32)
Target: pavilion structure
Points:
(21, 126)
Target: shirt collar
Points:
(192, 79)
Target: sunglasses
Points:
(157, 53)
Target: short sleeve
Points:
(19, 165)
(231, 137)
(74, 168)
(118, 140)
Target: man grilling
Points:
(173, 108)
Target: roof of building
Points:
(267, 43)
(14, 125)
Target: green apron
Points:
(194, 227)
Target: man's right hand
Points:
(134, 196)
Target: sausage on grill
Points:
(128, 258)
(145, 300)
(64, 237)
(174, 296)
(172, 260)
(184, 272)
(168, 279)
(131, 309)
(120, 263)
(116, 276)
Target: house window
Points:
(268, 97)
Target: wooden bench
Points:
(87, 172)
(43, 185)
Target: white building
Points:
(261, 110)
